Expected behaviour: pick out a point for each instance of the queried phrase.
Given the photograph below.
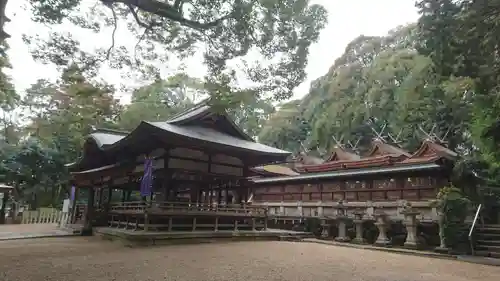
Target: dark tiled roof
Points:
(182, 126)
(213, 136)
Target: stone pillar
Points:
(342, 219)
(358, 222)
(411, 223)
(342, 233)
(299, 209)
(381, 223)
(320, 211)
(324, 228)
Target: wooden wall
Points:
(389, 189)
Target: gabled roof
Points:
(430, 148)
(203, 111)
(213, 136)
(104, 137)
(200, 124)
(380, 147)
(304, 159)
(431, 151)
(338, 154)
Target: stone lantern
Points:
(381, 222)
(411, 223)
(342, 219)
(358, 222)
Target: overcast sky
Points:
(347, 19)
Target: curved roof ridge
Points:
(387, 148)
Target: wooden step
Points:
(491, 226)
(483, 253)
(488, 228)
(487, 236)
(489, 248)
(488, 242)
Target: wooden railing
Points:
(50, 216)
(138, 206)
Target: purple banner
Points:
(147, 179)
(72, 193)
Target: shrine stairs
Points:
(487, 241)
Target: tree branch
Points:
(136, 17)
(168, 11)
(138, 42)
(108, 53)
(3, 19)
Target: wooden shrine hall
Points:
(187, 173)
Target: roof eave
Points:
(351, 173)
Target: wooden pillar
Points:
(194, 224)
(210, 194)
(101, 196)
(226, 194)
(110, 195)
(124, 195)
(167, 177)
(170, 224)
(146, 220)
(75, 205)
(219, 195)
(108, 203)
(216, 224)
(2, 210)
(199, 198)
(87, 226)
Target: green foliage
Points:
(160, 100)
(313, 225)
(454, 207)
(37, 172)
(224, 30)
(377, 81)
(286, 129)
(460, 38)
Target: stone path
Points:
(20, 231)
(91, 258)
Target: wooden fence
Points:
(45, 216)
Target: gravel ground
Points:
(84, 259)
(10, 231)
